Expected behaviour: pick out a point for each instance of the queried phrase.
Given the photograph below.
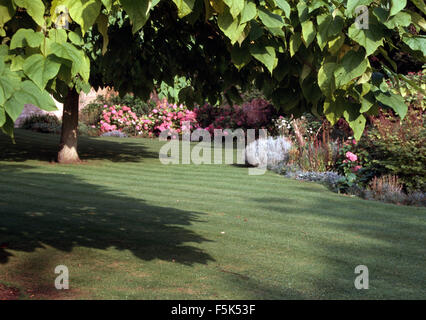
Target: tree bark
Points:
(68, 145)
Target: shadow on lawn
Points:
(388, 239)
(44, 147)
(63, 212)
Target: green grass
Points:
(129, 227)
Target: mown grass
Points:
(128, 227)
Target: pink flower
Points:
(352, 157)
(355, 169)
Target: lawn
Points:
(128, 227)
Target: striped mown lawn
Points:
(128, 227)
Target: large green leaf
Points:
(397, 6)
(185, 7)
(353, 65)
(26, 37)
(328, 28)
(2, 116)
(416, 43)
(295, 42)
(249, 12)
(421, 5)
(355, 119)
(102, 23)
(69, 52)
(284, 6)
(333, 110)
(7, 10)
(265, 54)
(58, 35)
(41, 69)
(85, 12)
(370, 38)
(28, 93)
(9, 83)
(353, 4)
(107, 4)
(235, 7)
(308, 32)
(326, 80)
(35, 9)
(394, 101)
(240, 56)
(8, 127)
(231, 27)
(273, 22)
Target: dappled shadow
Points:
(341, 233)
(58, 210)
(44, 147)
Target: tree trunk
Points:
(68, 145)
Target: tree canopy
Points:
(305, 55)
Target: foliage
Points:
(136, 104)
(409, 89)
(303, 55)
(329, 178)
(87, 130)
(114, 133)
(399, 147)
(313, 149)
(389, 189)
(256, 114)
(92, 113)
(171, 92)
(45, 123)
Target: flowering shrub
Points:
(167, 116)
(164, 116)
(118, 118)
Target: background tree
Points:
(307, 55)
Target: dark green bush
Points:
(87, 130)
(44, 123)
(399, 147)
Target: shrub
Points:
(44, 123)
(313, 150)
(329, 178)
(256, 114)
(87, 130)
(137, 105)
(92, 113)
(399, 147)
(270, 152)
(412, 95)
(167, 116)
(114, 133)
(119, 118)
